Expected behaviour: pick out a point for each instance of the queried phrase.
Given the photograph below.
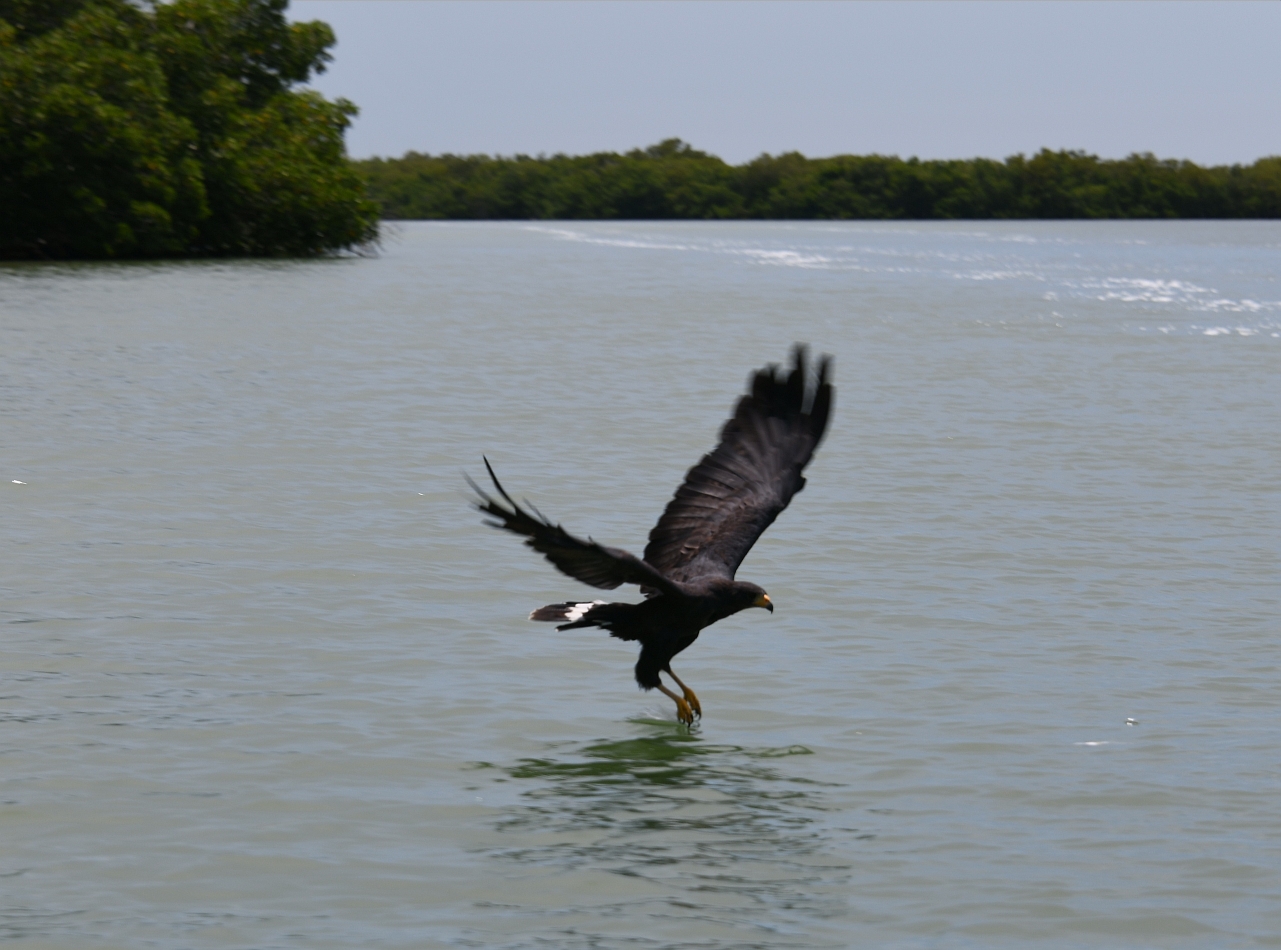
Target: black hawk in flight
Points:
(725, 503)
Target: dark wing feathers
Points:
(737, 490)
(585, 561)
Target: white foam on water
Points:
(582, 237)
(1228, 331)
(786, 258)
(779, 257)
(843, 257)
(1185, 295)
(1145, 290)
(976, 264)
(1000, 275)
(1239, 306)
(1214, 330)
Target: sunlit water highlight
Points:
(267, 681)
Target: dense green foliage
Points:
(170, 129)
(672, 180)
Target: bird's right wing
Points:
(584, 561)
(737, 490)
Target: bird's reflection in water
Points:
(723, 829)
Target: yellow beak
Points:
(764, 601)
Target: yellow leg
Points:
(682, 708)
(689, 693)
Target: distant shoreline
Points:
(673, 181)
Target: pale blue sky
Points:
(938, 80)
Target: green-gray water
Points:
(268, 682)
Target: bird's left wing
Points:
(584, 561)
(737, 490)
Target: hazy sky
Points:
(937, 80)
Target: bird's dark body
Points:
(667, 624)
(661, 626)
(725, 503)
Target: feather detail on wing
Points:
(737, 490)
(584, 561)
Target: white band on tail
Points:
(579, 611)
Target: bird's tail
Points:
(566, 613)
(597, 613)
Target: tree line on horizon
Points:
(142, 129)
(167, 128)
(672, 180)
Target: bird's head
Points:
(752, 596)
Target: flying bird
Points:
(725, 503)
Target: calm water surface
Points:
(266, 681)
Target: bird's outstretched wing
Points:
(737, 490)
(584, 561)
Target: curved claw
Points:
(693, 702)
(683, 712)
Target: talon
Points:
(693, 703)
(683, 711)
(690, 702)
